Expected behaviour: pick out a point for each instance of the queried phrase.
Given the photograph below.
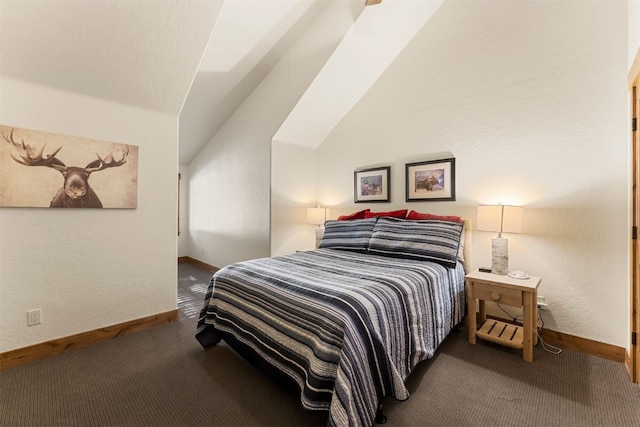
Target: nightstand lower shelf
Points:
(501, 333)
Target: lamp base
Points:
(499, 255)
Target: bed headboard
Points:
(468, 244)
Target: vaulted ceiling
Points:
(247, 41)
(199, 59)
(141, 53)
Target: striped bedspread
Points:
(347, 327)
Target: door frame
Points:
(633, 357)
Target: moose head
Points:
(75, 192)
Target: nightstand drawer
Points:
(506, 296)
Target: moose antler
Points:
(31, 156)
(108, 162)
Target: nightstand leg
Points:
(471, 314)
(527, 325)
(535, 318)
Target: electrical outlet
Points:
(34, 317)
(542, 303)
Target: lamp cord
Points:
(547, 347)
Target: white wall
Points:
(88, 269)
(183, 220)
(293, 178)
(633, 29)
(531, 99)
(229, 186)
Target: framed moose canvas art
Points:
(41, 169)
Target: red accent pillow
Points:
(419, 215)
(355, 215)
(402, 213)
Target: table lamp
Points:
(501, 219)
(317, 216)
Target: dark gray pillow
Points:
(427, 240)
(350, 235)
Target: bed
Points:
(347, 322)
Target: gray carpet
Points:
(162, 377)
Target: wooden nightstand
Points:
(508, 291)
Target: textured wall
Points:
(293, 189)
(87, 269)
(634, 29)
(183, 241)
(229, 188)
(530, 98)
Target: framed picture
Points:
(372, 185)
(71, 172)
(433, 180)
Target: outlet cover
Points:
(34, 317)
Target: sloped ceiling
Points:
(200, 59)
(141, 53)
(374, 41)
(248, 39)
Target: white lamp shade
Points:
(512, 219)
(316, 216)
(500, 218)
(489, 218)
